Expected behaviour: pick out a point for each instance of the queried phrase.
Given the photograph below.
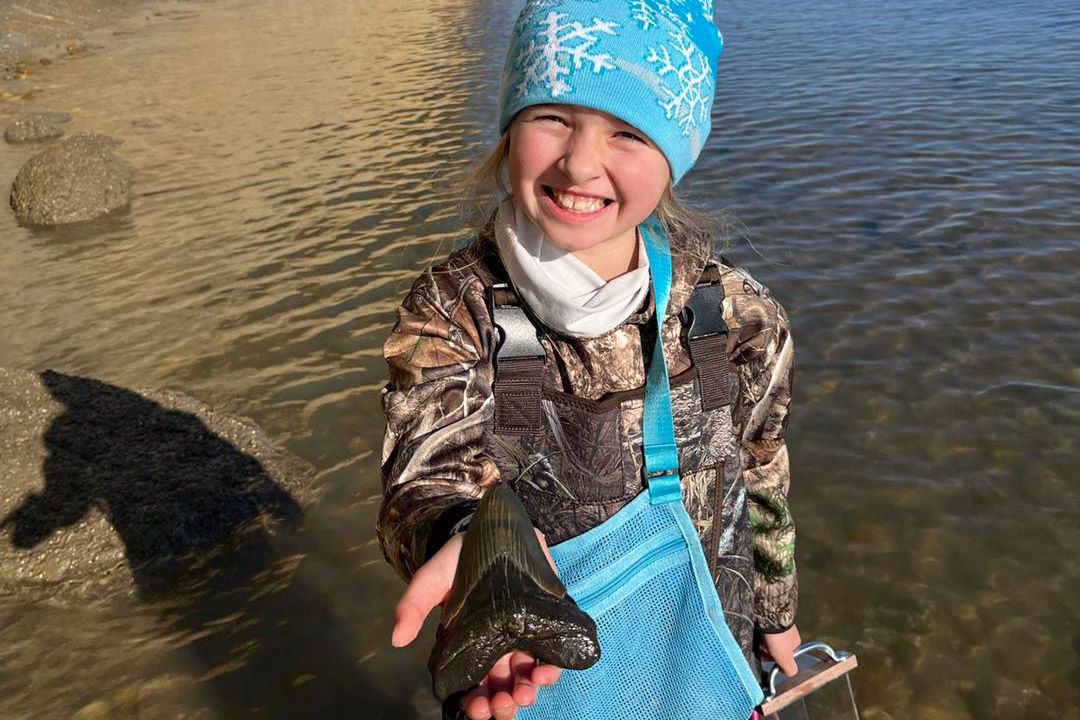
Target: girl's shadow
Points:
(191, 511)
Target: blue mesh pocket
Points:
(666, 652)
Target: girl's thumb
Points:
(399, 638)
(401, 635)
(409, 617)
(428, 587)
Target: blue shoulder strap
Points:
(658, 429)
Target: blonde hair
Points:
(487, 186)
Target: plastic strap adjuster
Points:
(661, 459)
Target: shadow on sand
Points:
(191, 510)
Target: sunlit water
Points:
(906, 177)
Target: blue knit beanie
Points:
(650, 63)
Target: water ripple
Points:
(905, 176)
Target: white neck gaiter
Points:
(562, 291)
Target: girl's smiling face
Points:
(586, 178)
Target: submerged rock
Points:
(108, 490)
(75, 180)
(31, 128)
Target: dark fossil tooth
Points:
(506, 597)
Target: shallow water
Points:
(905, 177)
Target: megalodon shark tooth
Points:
(505, 597)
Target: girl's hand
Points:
(429, 588)
(510, 685)
(512, 682)
(781, 648)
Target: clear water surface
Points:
(905, 176)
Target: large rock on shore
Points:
(106, 490)
(75, 180)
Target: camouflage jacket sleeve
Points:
(436, 403)
(763, 353)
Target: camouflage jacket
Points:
(439, 451)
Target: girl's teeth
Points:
(578, 204)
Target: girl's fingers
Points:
(546, 674)
(521, 667)
(502, 705)
(508, 685)
(789, 668)
(499, 677)
(543, 544)
(475, 704)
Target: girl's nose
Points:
(581, 160)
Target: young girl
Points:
(522, 359)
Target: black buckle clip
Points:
(518, 335)
(704, 313)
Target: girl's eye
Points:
(550, 118)
(631, 136)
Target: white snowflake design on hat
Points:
(649, 14)
(684, 71)
(563, 43)
(657, 48)
(687, 77)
